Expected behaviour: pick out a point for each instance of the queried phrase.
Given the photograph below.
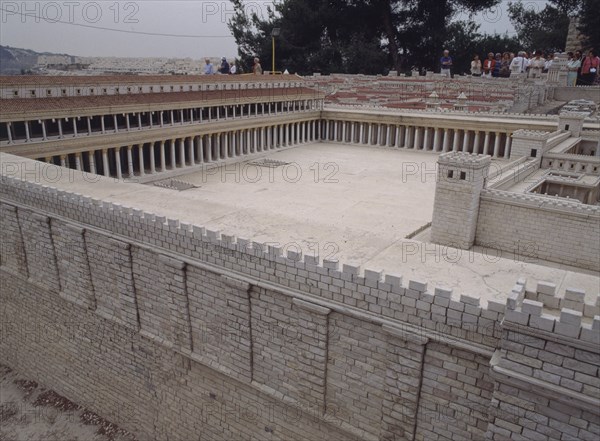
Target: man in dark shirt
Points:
(224, 69)
(446, 62)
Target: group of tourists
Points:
(229, 69)
(582, 69)
(224, 68)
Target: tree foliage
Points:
(354, 36)
(544, 29)
(589, 24)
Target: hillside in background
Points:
(15, 61)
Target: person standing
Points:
(446, 62)
(519, 64)
(476, 66)
(536, 66)
(589, 69)
(257, 68)
(489, 65)
(573, 66)
(505, 66)
(209, 68)
(497, 65)
(224, 68)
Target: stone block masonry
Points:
(195, 335)
(523, 224)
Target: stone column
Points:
(182, 152)
(128, 127)
(465, 146)
(60, 129)
(446, 143)
(9, 130)
(192, 152)
(436, 139)
(507, 146)
(118, 163)
(105, 167)
(89, 127)
(456, 140)
(116, 123)
(209, 148)
(141, 159)
(477, 142)
(152, 158)
(407, 130)
(78, 162)
(92, 161)
(130, 161)
(102, 126)
(27, 137)
(486, 143)
(173, 155)
(163, 159)
(497, 144)
(417, 140)
(426, 139)
(225, 146)
(200, 149)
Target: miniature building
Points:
(240, 259)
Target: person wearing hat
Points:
(224, 69)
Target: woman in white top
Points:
(536, 66)
(476, 66)
(573, 66)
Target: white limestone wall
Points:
(542, 228)
(185, 331)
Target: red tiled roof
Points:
(42, 105)
(92, 80)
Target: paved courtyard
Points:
(356, 204)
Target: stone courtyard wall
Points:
(540, 228)
(177, 332)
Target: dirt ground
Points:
(31, 412)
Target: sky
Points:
(148, 28)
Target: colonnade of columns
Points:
(167, 155)
(494, 143)
(73, 127)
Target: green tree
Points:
(544, 29)
(367, 36)
(589, 24)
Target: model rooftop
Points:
(354, 204)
